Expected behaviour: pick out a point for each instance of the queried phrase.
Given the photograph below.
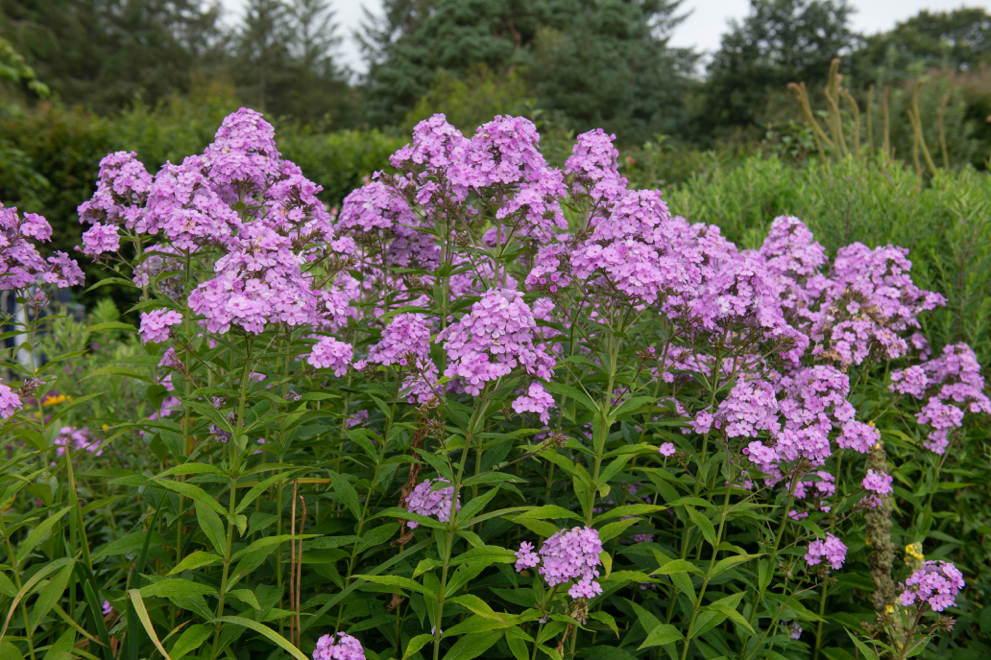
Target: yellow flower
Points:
(871, 423)
(888, 609)
(51, 400)
(914, 550)
(105, 427)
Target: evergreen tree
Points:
(600, 63)
(957, 40)
(107, 53)
(779, 42)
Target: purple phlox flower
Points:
(878, 482)
(345, 647)
(428, 501)
(573, 555)
(156, 323)
(536, 400)
(937, 583)
(526, 557)
(9, 402)
(329, 353)
(667, 449)
(832, 550)
(496, 337)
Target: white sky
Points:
(701, 30)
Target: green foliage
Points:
(87, 51)
(779, 42)
(599, 64)
(470, 100)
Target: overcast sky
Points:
(701, 30)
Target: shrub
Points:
(491, 408)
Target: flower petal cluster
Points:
(329, 353)
(569, 555)
(426, 501)
(937, 584)
(526, 557)
(878, 483)
(832, 550)
(122, 189)
(9, 402)
(345, 647)
(951, 385)
(536, 400)
(21, 266)
(156, 323)
(496, 337)
(594, 168)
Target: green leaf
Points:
(607, 619)
(416, 644)
(36, 534)
(472, 646)
(142, 613)
(127, 545)
(246, 596)
(63, 647)
(728, 606)
(869, 653)
(212, 526)
(579, 396)
(193, 492)
(193, 468)
(612, 530)
(260, 488)
(346, 492)
(630, 405)
(50, 594)
(172, 587)
(477, 605)
(729, 562)
(191, 639)
(270, 541)
(196, 560)
(476, 506)
(264, 631)
(549, 511)
(112, 325)
(677, 566)
(660, 635)
(630, 510)
(703, 523)
(398, 581)
(539, 527)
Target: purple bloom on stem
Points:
(832, 550)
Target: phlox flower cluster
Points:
(122, 189)
(329, 353)
(832, 550)
(240, 200)
(21, 266)
(568, 555)
(73, 438)
(951, 385)
(496, 337)
(536, 400)
(426, 501)
(937, 584)
(345, 647)
(155, 324)
(878, 483)
(9, 401)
